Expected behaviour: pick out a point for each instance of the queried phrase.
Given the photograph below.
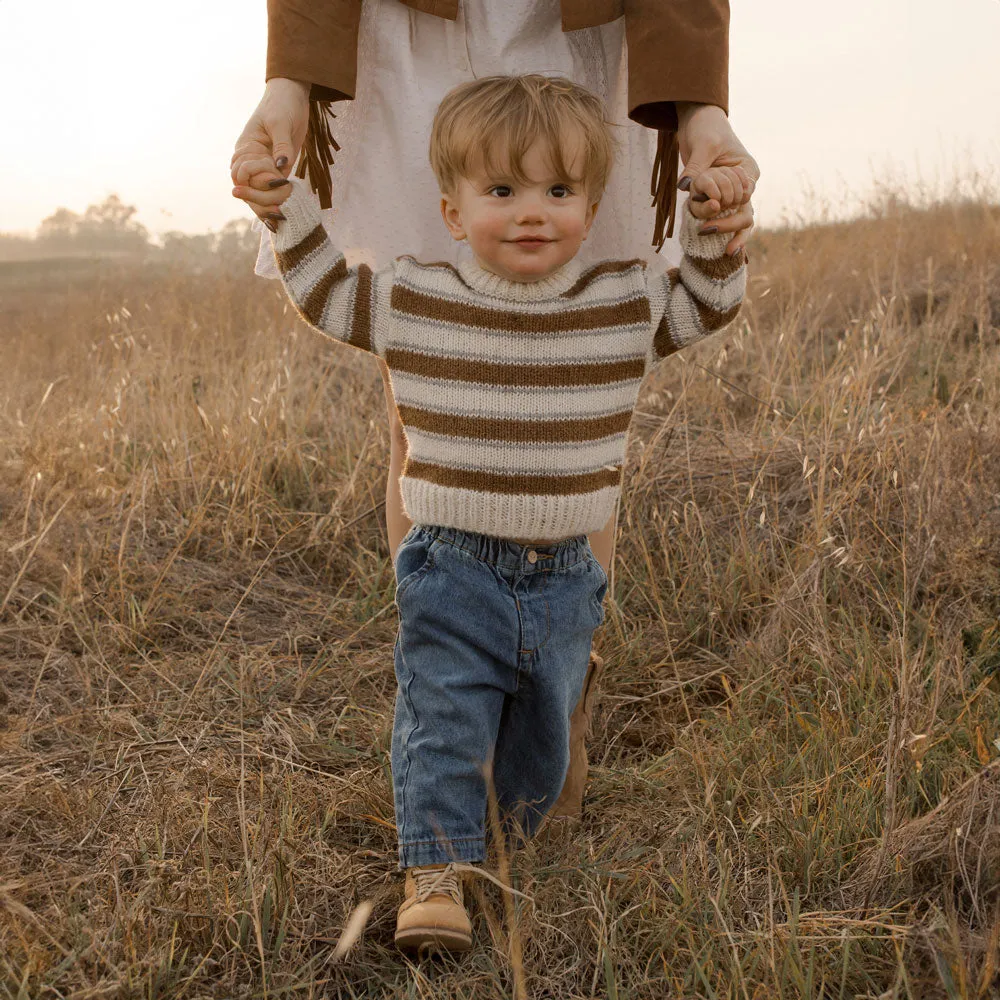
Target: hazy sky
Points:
(147, 101)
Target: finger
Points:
(728, 185)
(706, 184)
(739, 241)
(246, 168)
(748, 183)
(267, 180)
(733, 223)
(694, 167)
(707, 209)
(265, 199)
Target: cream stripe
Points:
(502, 456)
(419, 325)
(506, 516)
(720, 295)
(513, 402)
(444, 339)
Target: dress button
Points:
(532, 557)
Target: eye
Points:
(560, 190)
(501, 191)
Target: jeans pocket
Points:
(413, 559)
(599, 590)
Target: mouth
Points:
(531, 241)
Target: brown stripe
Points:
(714, 319)
(361, 324)
(287, 259)
(490, 482)
(515, 431)
(607, 267)
(663, 340)
(315, 301)
(412, 303)
(718, 268)
(493, 373)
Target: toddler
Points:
(516, 375)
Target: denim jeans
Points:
(491, 655)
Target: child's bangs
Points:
(502, 150)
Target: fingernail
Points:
(684, 184)
(699, 197)
(708, 229)
(273, 226)
(277, 216)
(278, 183)
(280, 161)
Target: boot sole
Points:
(432, 938)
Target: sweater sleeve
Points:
(700, 297)
(349, 304)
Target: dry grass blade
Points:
(802, 652)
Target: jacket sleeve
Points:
(700, 297)
(348, 304)
(678, 50)
(315, 41)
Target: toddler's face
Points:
(522, 231)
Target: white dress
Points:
(385, 196)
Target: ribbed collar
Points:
(488, 283)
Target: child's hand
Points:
(719, 189)
(257, 191)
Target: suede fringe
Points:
(663, 186)
(316, 157)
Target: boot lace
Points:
(448, 880)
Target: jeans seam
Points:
(406, 743)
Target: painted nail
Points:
(684, 184)
(277, 216)
(708, 229)
(280, 161)
(699, 197)
(273, 226)
(278, 183)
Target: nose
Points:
(530, 211)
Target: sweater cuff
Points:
(708, 247)
(301, 212)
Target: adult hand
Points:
(268, 147)
(707, 140)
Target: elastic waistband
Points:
(509, 555)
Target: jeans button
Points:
(532, 557)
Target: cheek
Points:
(572, 226)
(489, 225)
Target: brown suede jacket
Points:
(678, 50)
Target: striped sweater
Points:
(515, 397)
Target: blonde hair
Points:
(494, 121)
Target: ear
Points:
(452, 217)
(589, 218)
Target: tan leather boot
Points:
(569, 805)
(432, 916)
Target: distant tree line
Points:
(110, 229)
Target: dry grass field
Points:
(795, 789)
